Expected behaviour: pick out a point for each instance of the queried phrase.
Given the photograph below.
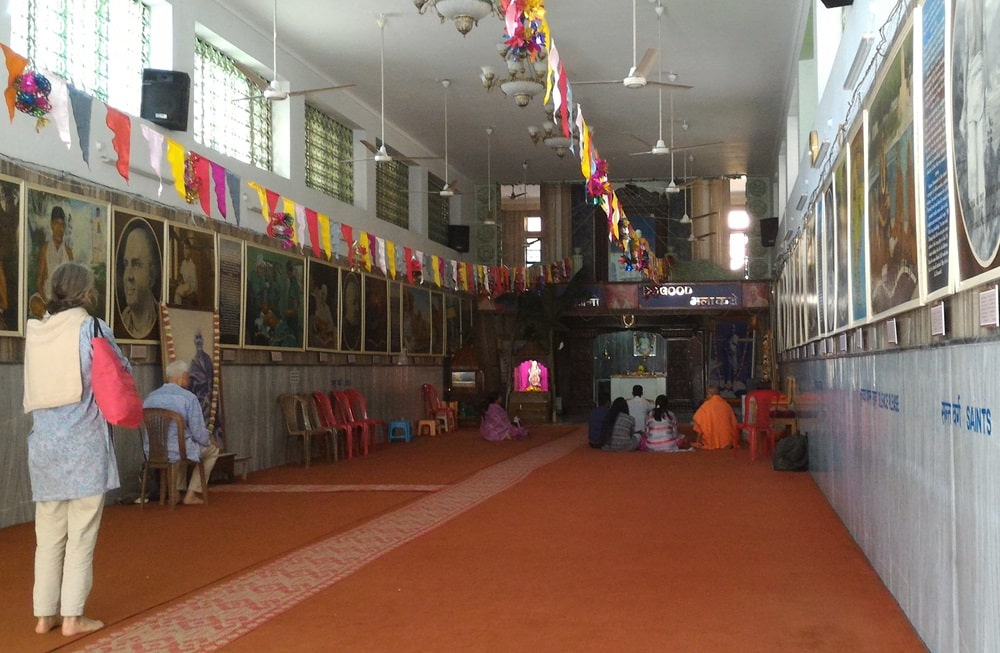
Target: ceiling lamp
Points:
(466, 14)
(524, 78)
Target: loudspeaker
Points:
(830, 4)
(458, 237)
(768, 231)
(165, 96)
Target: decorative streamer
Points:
(381, 262)
(364, 250)
(81, 103)
(436, 270)
(121, 141)
(219, 180)
(272, 200)
(312, 223)
(154, 143)
(324, 235)
(262, 193)
(292, 209)
(347, 235)
(202, 180)
(59, 99)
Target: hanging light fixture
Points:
(686, 219)
(491, 218)
(466, 14)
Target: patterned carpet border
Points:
(243, 603)
(289, 489)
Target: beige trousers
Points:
(65, 535)
(208, 456)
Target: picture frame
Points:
(11, 262)
(323, 324)
(416, 320)
(376, 315)
(274, 299)
(643, 344)
(138, 287)
(395, 318)
(437, 324)
(193, 336)
(351, 310)
(191, 268)
(83, 237)
(452, 323)
(229, 290)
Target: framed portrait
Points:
(452, 323)
(416, 320)
(11, 246)
(138, 276)
(190, 268)
(468, 327)
(230, 290)
(324, 288)
(376, 315)
(351, 310)
(193, 336)
(274, 297)
(437, 323)
(59, 228)
(395, 318)
(643, 344)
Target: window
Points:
(329, 150)
(438, 211)
(738, 222)
(392, 193)
(72, 39)
(532, 241)
(224, 120)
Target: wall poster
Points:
(376, 315)
(351, 310)
(274, 298)
(858, 234)
(11, 246)
(416, 320)
(230, 277)
(324, 288)
(840, 217)
(191, 268)
(193, 336)
(395, 318)
(138, 243)
(934, 145)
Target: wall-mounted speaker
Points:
(165, 95)
(458, 237)
(768, 231)
(830, 4)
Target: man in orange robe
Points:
(714, 422)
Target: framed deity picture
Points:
(274, 298)
(193, 336)
(59, 228)
(138, 286)
(452, 323)
(416, 320)
(190, 268)
(395, 318)
(11, 246)
(351, 310)
(230, 290)
(643, 344)
(437, 323)
(324, 288)
(376, 315)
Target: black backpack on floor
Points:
(791, 453)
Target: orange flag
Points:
(15, 66)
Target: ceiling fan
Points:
(449, 188)
(277, 90)
(636, 77)
(524, 184)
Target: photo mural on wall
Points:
(60, 228)
(274, 299)
(858, 235)
(892, 213)
(191, 268)
(138, 276)
(230, 277)
(842, 311)
(324, 288)
(10, 251)
(975, 114)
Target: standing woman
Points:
(70, 458)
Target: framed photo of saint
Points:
(191, 268)
(324, 288)
(11, 246)
(62, 227)
(138, 276)
(193, 336)
(351, 311)
(376, 315)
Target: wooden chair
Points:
(438, 410)
(359, 407)
(159, 427)
(353, 426)
(298, 426)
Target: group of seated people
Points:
(638, 424)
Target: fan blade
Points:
(678, 148)
(639, 153)
(679, 87)
(641, 140)
(321, 90)
(603, 81)
(646, 63)
(255, 77)
(249, 97)
(371, 148)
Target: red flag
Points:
(408, 255)
(272, 201)
(121, 127)
(348, 235)
(312, 222)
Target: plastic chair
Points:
(359, 408)
(321, 416)
(159, 425)
(438, 410)
(756, 422)
(298, 426)
(353, 427)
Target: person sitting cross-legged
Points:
(174, 395)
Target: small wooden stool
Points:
(428, 425)
(399, 431)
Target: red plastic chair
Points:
(757, 422)
(326, 418)
(359, 408)
(352, 426)
(438, 410)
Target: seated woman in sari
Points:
(496, 424)
(661, 430)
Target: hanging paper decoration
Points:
(191, 181)
(281, 227)
(32, 96)
(357, 256)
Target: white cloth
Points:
(52, 360)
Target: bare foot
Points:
(46, 624)
(79, 625)
(191, 499)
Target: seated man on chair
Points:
(174, 396)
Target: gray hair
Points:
(72, 286)
(176, 370)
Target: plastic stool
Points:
(399, 431)
(428, 425)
